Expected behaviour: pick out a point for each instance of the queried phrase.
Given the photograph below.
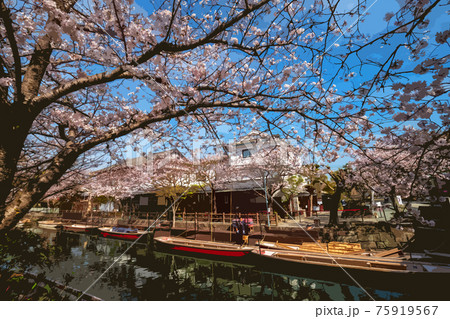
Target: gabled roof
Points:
(140, 160)
(256, 136)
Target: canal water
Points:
(145, 274)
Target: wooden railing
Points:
(225, 218)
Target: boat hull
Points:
(202, 248)
(213, 252)
(49, 226)
(108, 233)
(398, 280)
(80, 228)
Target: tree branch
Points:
(117, 73)
(5, 15)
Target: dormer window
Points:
(246, 153)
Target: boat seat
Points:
(335, 247)
(313, 247)
(389, 252)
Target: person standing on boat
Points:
(242, 231)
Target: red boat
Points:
(122, 233)
(203, 247)
(80, 228)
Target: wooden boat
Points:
(122, 232)
(437, 255)
(397, 274)
(20, 225)
(331, 247)
(277, 245)
(49, 224)
(203, 247)
(80, 228)
(366, 262)
(23, 223)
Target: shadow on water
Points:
(144, 274)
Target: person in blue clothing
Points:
(242, 231)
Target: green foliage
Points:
(20, 248)
(318, 180)
(174, 192)
(103, 199)
(16, 286)
(292, 186)
(47, 288)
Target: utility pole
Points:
(372, 202)
(267, 203)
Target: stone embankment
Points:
(374, 236)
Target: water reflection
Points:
(144, 274)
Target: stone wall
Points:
(375, 236)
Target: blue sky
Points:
(373, 25)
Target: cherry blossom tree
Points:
(410, 165)
(213, 172)
(75, 75)
(119, 182)
(294, 185)
(167, 171)
(270, 169)
(174, 181)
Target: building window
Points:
(257, 200)
(143, 201)
(161, 201)
(246, 153)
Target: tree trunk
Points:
(174, 212)
(13, 133)
(291, 205)
(211, 202)
(310, 204)
(35, 189)
(7, 171)
(271, 204)
(334, 206)
(392, 196)
(215, 201)
(336, 198)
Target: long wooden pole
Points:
(231, 225)
(231, 212)
(384, 213)
(260, 232)
(195, 223)
(231, 202)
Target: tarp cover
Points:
(124, 230)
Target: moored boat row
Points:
(365, 262)
(330, 255)
(335, 259)
(108, 232)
